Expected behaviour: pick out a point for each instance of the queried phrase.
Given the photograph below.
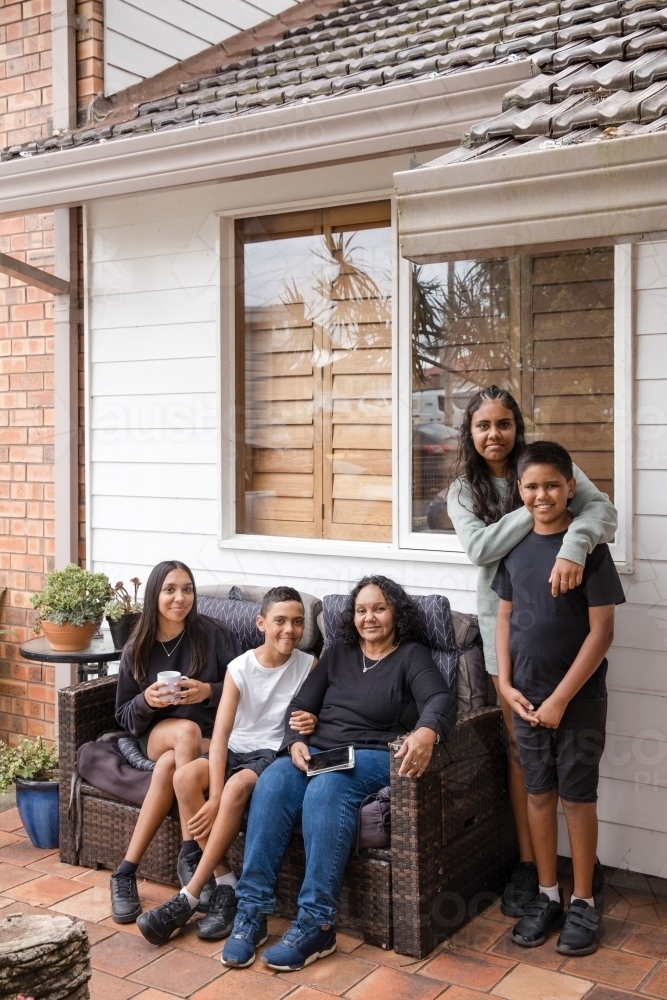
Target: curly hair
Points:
(487, 505)
(408, 623)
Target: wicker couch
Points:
(452, 836)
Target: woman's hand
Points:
(300, 755)
(518, 703)
(191, 692)
(202, 822)
(417, 751)
(565, 575)
(152, 695)
(304, 723)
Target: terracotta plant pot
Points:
(69, 638)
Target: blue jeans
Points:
(328, 804)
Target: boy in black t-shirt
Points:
(552, 667)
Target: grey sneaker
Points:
(125, 904)
(219, 920)
(520, 890)
(159, 924)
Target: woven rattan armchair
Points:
(452, 839)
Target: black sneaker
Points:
(125, 904)
(541, 915)
(159, 924)
(598, 885)
(186, 866)
(521, 888)
(219, 920)
(583, 926)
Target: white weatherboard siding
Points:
(155, 479)
(143, 37)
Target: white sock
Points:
(550, 891)
(591, 901)
(192, 900)
(228, 879)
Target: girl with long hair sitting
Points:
(490, 519)
(173, 730)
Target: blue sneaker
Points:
(248, 933)
(302, 944)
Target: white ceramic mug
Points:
(171, 679)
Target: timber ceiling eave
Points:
(421, 114)
(595, 193)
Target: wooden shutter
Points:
(315, 431)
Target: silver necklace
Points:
(175, 647)
(370, 667)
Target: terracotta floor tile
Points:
(10, 820)
(546, 957)
(155, 995)
(91, 904)
(526, 982)
(656, 984)
(54, 866)
(122, 954)
(23, 853)
(179, 972)
(389, 958)
(335, 974)
(479, 935)
(123, 928)
(11, 875)
(97, 932)
(393, 984)
(91, 876)
(460, 993)
(305, 993)
(616, 931)
(601, 992)
(493, 913)
(467, 968)
(277, 925)
(647, 940)
(244, 984)
(613, 967)
(45, 890)
(8, 838)
(154, 892)
(188, 939)
(103, 987)
(347, 943)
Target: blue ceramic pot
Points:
(38, 803)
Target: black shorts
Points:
(253, 760)
(567, 758)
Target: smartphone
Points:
(340, 759)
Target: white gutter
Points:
(416, 115)
(594, 193)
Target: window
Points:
(540, 326)
(313, 385)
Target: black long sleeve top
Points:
(402, 692)
(134, 714)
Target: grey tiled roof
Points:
(604, 76)
(364, 44)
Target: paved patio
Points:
(480, 961)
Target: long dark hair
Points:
(406, 616)
(144, 636)
(486, 501)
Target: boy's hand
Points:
(304, 723)
(566, 575)
(202, 822)
(550, 713)
(300, 756)
(518, 703)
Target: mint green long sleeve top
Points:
(595, 521)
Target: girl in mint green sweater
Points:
(490, 519)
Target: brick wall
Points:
(27, 703)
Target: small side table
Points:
(91, 662)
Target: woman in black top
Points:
(374, 683)
(174, 730)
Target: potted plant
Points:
(33, 767)
(70, 608)
(123, 612)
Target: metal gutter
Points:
(595, 193)
(420, 114)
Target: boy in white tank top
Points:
(249, 728)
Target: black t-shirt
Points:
(133, 712)
(403, 691)
(546, 632)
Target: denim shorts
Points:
(567, 758)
